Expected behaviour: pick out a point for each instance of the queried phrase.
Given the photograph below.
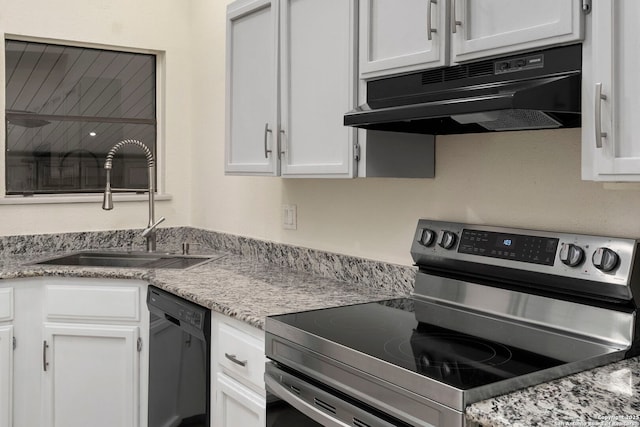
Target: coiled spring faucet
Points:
(148, 233)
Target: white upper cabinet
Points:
(497, 27)
(252, 88)
(611, 93)
(290, 79)
(318, 86)
(405, 36)
(397, 36)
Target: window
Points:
(66, 106)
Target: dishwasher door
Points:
(179, 355)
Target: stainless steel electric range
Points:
(494, 310)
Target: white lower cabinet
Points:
(6, 356)
(236, 405)
(6, 374)
(238, 392)
(80, 355)
(91, 375)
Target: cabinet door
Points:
(252, 88)
(6, 376)
(496, 27)
(240, 354)
(318, 86)
(27, 356)
(91, 375)
(236, 405)
(402, 36)
(610, 97)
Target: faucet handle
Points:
(152, 227)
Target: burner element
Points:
(469, 352)
(454, 358)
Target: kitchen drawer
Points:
(6, 304)
(92, 302)
(241, 355)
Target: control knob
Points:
(605, 259)
(428, 237)
(447, 239)
(571, 255)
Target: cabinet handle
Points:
(599, 97)
(45, 346)
(266, 131)
(283, 147)
(454, 21)
(232, 357)
(430, 30)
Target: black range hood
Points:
(536, 90)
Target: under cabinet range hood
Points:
(534, 90)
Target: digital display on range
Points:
(516, 247)
(506, 242)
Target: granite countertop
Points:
(237, 286)
(249, 290)
(607, 396)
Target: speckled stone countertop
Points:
(607, 396)
(252, 279)
(251, 291)
(234, 285)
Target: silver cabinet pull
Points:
(232, 357)
(283, 147)
(599, 97)
(430, 29)
(266, 132)
(454, 21)
(45, 346)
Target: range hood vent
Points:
(440, 75)
(536, 90)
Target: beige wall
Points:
(158, 25)
(529, 179)
(526, 179)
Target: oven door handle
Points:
(289, 388)
(307, 409)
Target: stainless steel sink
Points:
(127, 260)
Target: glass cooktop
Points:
(389, 330)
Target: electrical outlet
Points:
(289, 217)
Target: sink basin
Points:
(127, 260)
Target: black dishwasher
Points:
(179, 361)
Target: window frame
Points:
(89, 197)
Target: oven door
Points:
(282, 414)
(304, 404)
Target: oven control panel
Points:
(606, 260)
(517, 247)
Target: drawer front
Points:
(93, 302)
(241, 355)
(6, 304)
